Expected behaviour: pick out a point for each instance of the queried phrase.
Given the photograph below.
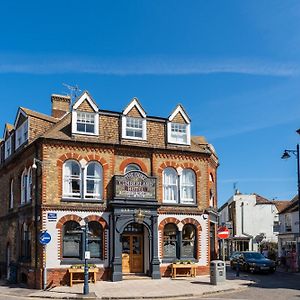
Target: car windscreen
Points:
(253, 255)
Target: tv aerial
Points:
(73, 90)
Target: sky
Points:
(233, 65)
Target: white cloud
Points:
(143, 66)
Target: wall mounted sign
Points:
(52, 216)
(135, 184)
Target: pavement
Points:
(165, 288)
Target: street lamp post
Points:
(85, 230)
(286, 155)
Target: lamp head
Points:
(285, 155)
(34, 166)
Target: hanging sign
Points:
(135, 184)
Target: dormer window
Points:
(179, 131)
(85, 118)
(134, 124)
(85, 122)
(135, 128)
(7, 147)
(22, 134)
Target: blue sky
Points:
(234, 65)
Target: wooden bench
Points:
(72, 271)
(188, 270)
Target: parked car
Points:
(252, 262)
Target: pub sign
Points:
(135, 184)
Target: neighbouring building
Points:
(289, 229)
(252, 219)
(144, 185)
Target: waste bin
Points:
(13, 271)
(217, 272)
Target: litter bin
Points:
(217, 272)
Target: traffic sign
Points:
(223, 232)
(45, 238)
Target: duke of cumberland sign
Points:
(135, 184)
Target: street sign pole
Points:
(86, 268)
(45, 268)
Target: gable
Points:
(138, 110)
(20, 119)
(86, 100)
(135, 113)
(179, 118)
(85, 106)
(183, 115)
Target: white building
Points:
(251, 220)
(289, 228)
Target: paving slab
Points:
(165, 288)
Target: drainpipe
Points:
(243, 232)
(36, 213)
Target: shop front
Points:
(134, 228)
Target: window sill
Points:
(171, 143)
(81, 200)
(85, 133)
(133, 138)
(74, 261)
(180, 204)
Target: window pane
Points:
(188, 241)
(72, 244)
(86, 122)
(132, 167)
(170, 179)
(93, 180)
(134, 127)
(170, 241)
(72, 179)
(179, 133)
(95, 239)
(188, 186)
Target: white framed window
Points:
(85, 123)
(7, 148)
(71, 179)
(11, 194)
(187, 186)
(23, 187)
(179, 133)
(29, 185)
(132, 167)
(170, 185)
(22, 134)
(93, 180)
(134, 128)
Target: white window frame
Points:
(24, 187)
(7, 148)
(74, 122)
(143, 129)
(29, 186)
(187, 185)
(97, 196)
(11, 200)
(66, 192)
(22, 134)
(134, 167)
(167, 185)
(173, 140)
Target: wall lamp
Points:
(35, 162)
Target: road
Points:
(283, 286)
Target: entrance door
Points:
(132, 253)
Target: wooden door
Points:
(132, 253)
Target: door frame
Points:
(131, 235)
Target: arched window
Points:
(188, 241)
(187, 186)
(93, 181)
(25, 242)
(211, 177)
(132, 167)
(24, 187)
(72, 179)
(72, 244)
(170, 185)
(95, 240)
(211, 198)
(170, 241)
(29, 186)
(11, 198)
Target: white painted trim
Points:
(85, 96)
(188, 131)
(144, 124)
(177, 110)
(135, 103)
(74, 123)
(20, 111)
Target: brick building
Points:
(144, 185)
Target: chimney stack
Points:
(60, 105)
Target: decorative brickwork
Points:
(133, 160)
